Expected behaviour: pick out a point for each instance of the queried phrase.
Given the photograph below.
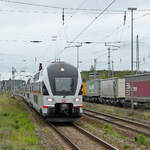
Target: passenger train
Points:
(55, 92)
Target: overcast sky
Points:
(21, 24)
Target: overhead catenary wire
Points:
(67, 8)
(93, 20)
(50, 12)
(118, 28)
(56, 7)
(100, 14)
(67, 22)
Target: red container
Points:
(138, 88)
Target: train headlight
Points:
(77, 99)
(50, 99)
(62, 69)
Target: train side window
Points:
(28, 96)
(36, 99)
(44, 89)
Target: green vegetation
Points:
(142, 140)
(126, 146)
(108, 130)
(103, 74)
(16, 130)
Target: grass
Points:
(114, 134)
(142, 140)
(16, 130)
(126, 146)
(108, 130)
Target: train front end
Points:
(63, 101)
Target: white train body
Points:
(55, 92)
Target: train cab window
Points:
(63, 84)
(45, 91)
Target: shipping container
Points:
(137, 89)
(113, 88)
(93, 88)
(121, 88)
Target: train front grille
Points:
(63, 109)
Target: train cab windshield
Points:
(63, 84)
(63, 79)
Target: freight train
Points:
(55, 92)
(122, 92)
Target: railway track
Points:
(121, 122)
(125, 117)
(78, 138)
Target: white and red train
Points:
(55, 92)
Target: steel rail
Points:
(122, 119)
(117, 124)
(97, 139)
(74, 146)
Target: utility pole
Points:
(110, 45)
(109, 67)
(132, 9)
(95, 62)
(77, 46)
(109, 74)
(137, 55)
(132, 92)
(13, 80)
(112, 68)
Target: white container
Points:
(112, 88)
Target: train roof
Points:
(58, 68)
(138, 75)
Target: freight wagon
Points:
(91, 90)
(122, 92)
(137, 89)
(112, 91)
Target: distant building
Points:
(7, 85)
